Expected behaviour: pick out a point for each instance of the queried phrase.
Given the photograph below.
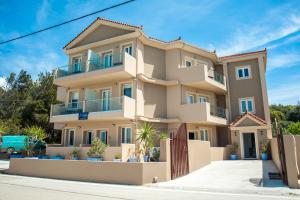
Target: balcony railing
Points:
(97, 63)
(102, 105)
(218, 77)
(217, 111)
(69, 108)
(98, 105)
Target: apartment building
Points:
(118, 77)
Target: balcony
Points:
(202, 113)
(96, 70)
(115, 108)
(201, 76)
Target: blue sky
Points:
(228, 26)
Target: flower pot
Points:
(57, 158)
(264, 156)
(43, 157)
(94, 159)
(16, 156)
(116, 160)
(74, 158)
(233, 157)
(146, 158)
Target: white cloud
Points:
(42, 13)
(283, 60)
(285, 94)
(3, 82)
(269, 29)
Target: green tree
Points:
(145, 137)
(294, 128)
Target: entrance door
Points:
(249, 145)
(105, 99)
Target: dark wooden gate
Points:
(179, 152)
(281, 154)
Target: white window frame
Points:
(68, 138)
(200, 96)
(189, 95)
(102, 129)
(126, 44)
(205, 131)
(246, 99)
(126, 127)
(121, 86)
(243, 67)
(188, 59)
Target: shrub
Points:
(97, 149)
(234, 148)
(36, 132)
(118, 156)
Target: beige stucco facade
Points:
(120, 78)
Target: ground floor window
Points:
(204, 134)
(87, 137)
(102, 135)
(192, 135)
(71, 137)
(126, 135)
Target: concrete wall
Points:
(125, 150)
(219, 153)
(155, 101)
(103, 172)
(245, 88)
(297, 138)
(274, 151)
(199, 154)
(290, 147)
(291, 160)
(155, 63)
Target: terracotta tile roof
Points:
(249, 114)
(103, 19)
(243, 54)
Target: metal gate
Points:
(281, 154)
(179, 152)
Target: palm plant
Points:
(145, 138)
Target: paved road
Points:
(28, 188)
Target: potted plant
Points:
(74, 154)
(155, 155)
(29, 145)
(97, 150)
(117, 158)
(145, 139)
(233, 151)
(264, 150)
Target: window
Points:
(190, 99)
(188, 63)
(247, 105)
(107, 59)
(204, 134)
(106, 100)
(126, 135)
(127, 89)
(192, 135)
(76, 62)
(128, 49)
(74, 99)
(203, 99)
(88, 137)
(71, 137)
(102, 135)
(243, 72)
